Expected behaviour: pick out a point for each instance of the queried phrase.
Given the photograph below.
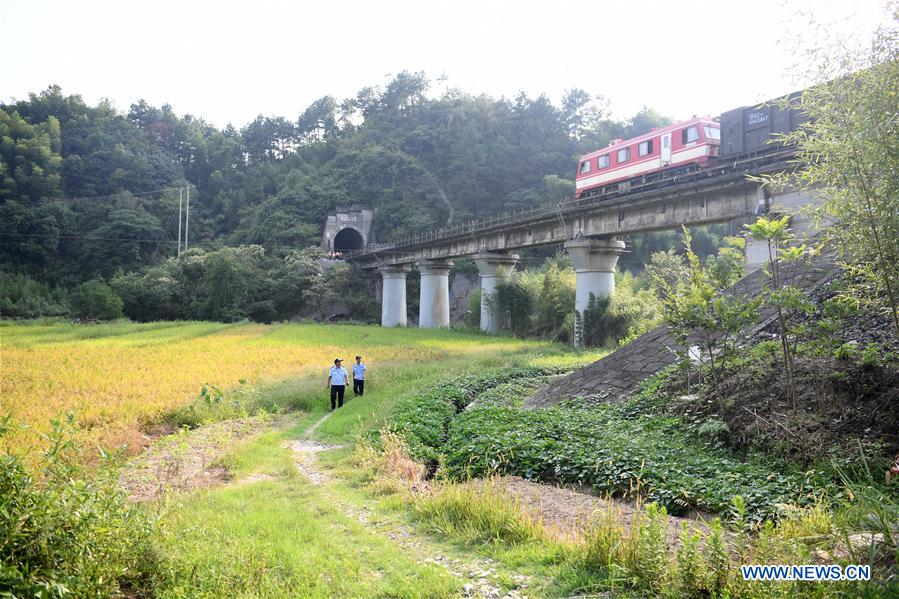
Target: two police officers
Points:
(338, 379)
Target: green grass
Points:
(286, 537)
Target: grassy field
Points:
(122, 377)
(266, 527)
(282, 536)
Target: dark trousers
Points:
(337, 394)
(358, 387)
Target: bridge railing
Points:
(518, 217)
(468, 227)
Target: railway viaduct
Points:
(592, 231)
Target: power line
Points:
(206, 244)
(115, 195)
(91, 237)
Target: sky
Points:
(228, 62)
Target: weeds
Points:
(477, 512)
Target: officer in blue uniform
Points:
(337, 380)
(358, 377)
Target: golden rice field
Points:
(119, 378)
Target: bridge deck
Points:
(555, 220)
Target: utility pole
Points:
(187, 218)
(180, 200)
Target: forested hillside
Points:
(90, 191)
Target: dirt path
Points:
(481, 576)
(304, 450)
(188, 460)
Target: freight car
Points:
(675, 148)
(754, 129)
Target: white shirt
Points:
(338, 375)
(359, 371)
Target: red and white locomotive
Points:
(689, 143)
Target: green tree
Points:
(555, 303)
(233, 279)
(785, 297)
(95, 300)
(31, 216)
(290, 280)
(666, 271)
(849, 151)
(558, 189)
(580, 112)
(319, 121)
(514, 304)
(703, 311)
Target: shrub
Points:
(618, 451)
(155, 294)
(514, 301)
(64, 531)
(603, 326)
(473, 317)
(555, 303)
(424, 419)
(95, 300)
(23, 297)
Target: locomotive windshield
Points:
(688, 135)
(712, 132)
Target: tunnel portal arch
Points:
(348, 239)
(346, 229)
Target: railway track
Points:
(755, 163)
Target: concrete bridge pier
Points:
(594, 265)
(494, 268)
(756, 254)
(434, 309)
(803, 223)
(393, 295)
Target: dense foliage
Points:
(62, 528)
(86, 191)
(539, 302)
(424, 419)
(225, 285)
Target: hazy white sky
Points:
(229, 61)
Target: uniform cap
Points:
(336, 360)
(358, 357)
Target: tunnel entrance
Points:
(348, 239)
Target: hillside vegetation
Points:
(86, 191)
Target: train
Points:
(687, 146)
